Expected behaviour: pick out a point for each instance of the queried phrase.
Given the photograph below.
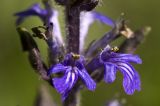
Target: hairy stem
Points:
(72, 12)
(72, 25)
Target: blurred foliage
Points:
(19, 83)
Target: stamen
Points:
(115, 49)
(75, 56)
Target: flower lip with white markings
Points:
(73, 67)
(116, 61)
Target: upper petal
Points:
(89, 82)
(109, 73)
(125, 57)
(110, 56)
(137, 81)
(58, 68)
(131, 80)
(64, 84)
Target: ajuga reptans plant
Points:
(73, 66)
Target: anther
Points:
(115, 49)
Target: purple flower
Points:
(72, 67)
(116, 61)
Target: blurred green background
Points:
(19, 83)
